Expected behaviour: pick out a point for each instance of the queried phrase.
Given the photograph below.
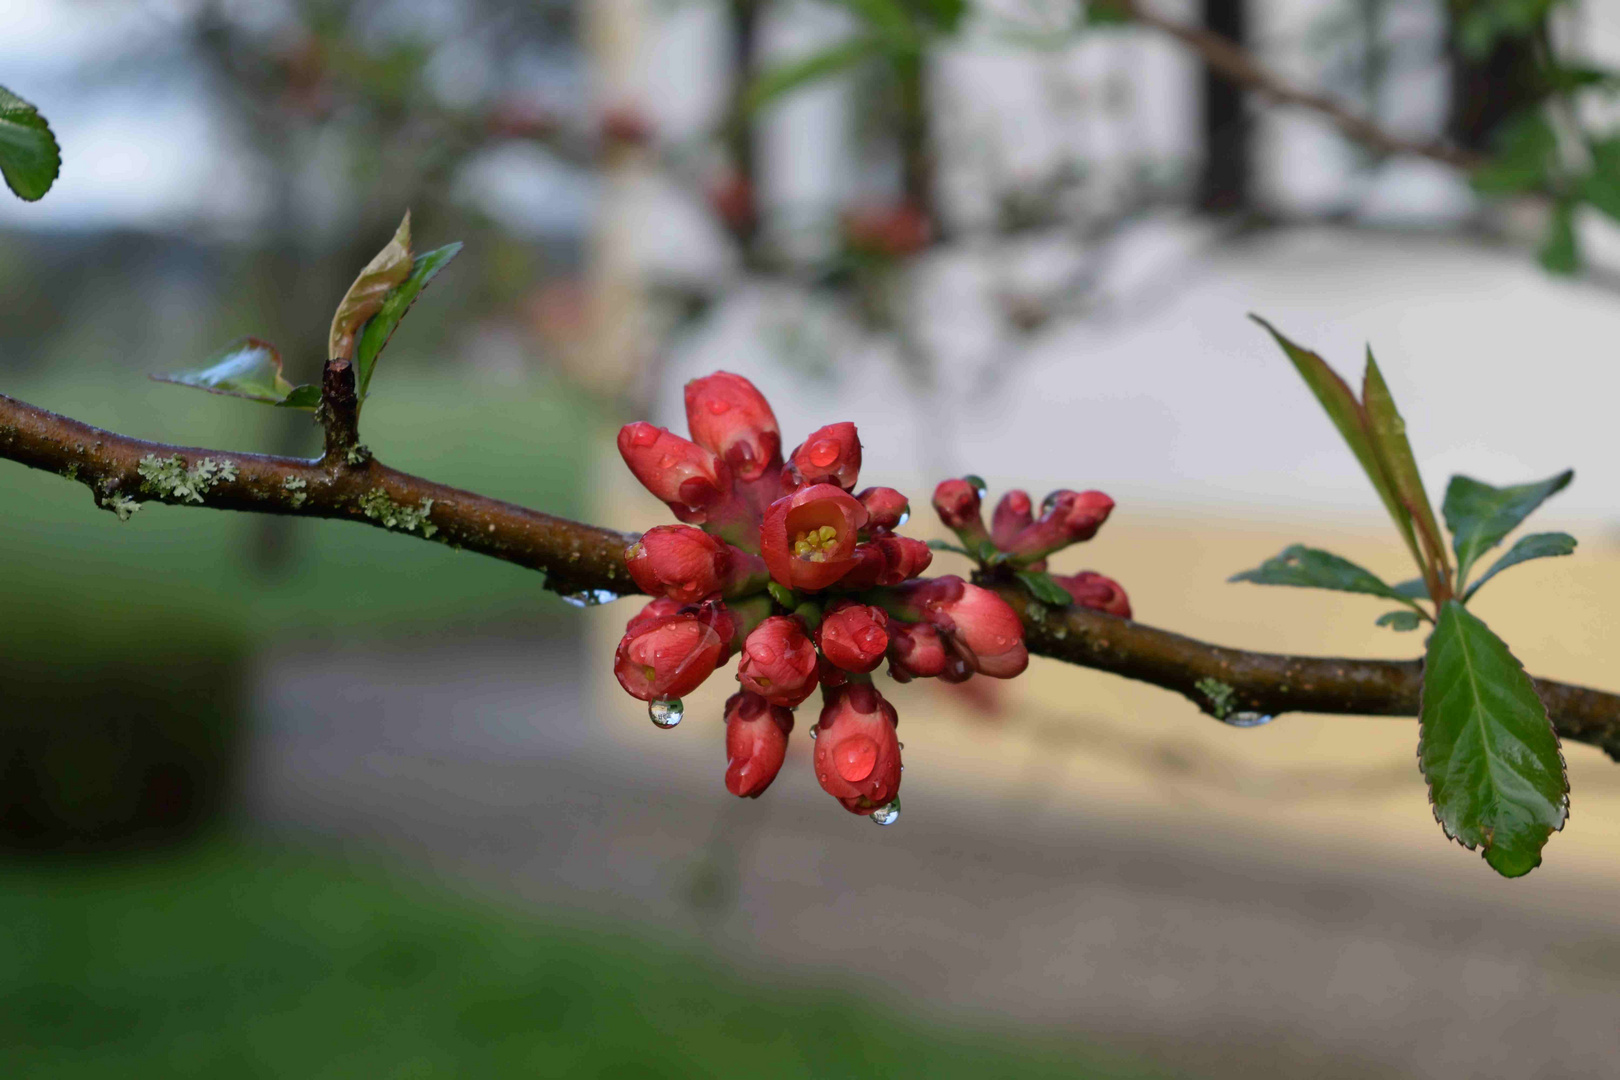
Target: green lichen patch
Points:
(1220, 696)
(168, 478)
(377, 506)
(296, 486)
(122, 505)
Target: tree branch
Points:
(122, 472)
(1231, 61)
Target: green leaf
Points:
(946, 545)
(785, 78)
(29, 157)
(1351, 419)
(307, 396)
(1601, 187)
(387, 268)
(380, 327)
(248, 368)
(1560, 252)
(1534, 546)
(1415, 589)
(1496, 777)
(1312, 568)
(1480, 516)
(1044, 587)
(1394, 452)
(1401, 620)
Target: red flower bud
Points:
(778, 662)
(756, 743)
(916, 651)
(1013, 513)
(808, 538)
(857, 754)
(1069, 518)
(869, 567)
(983, 630)
(893, 232)
(1092, 590)
(854, 636)
(679, 562)
(957, 503)
(831, 455)
(904, 559)
(684, 475)
(668, 654)
(886, 508)
(727, 415)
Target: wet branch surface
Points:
(347, 483)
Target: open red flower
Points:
(808, 538)
(728, 416)
(831, 455)
(678, 561)
(756, 743)
(857, 755)
(779, 661)
(854, 636)
(688, 478)
(668, 653)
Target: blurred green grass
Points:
(531, 443)
(248, 960)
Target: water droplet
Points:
(905, 516)
(824, 453)
(644, 436)
(813, 734)
(590, 597)
(1247, 719)
(719, 407)
(1049, 502)
(667, 461)
(856, 759)
(983, 489)
(887, 815)
(666, 713)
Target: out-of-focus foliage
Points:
(238, 960)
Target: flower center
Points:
(816, 544)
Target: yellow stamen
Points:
(816, 544)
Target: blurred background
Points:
(291, 798)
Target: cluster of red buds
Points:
(784, 564)
(1017, 543)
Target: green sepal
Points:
(783, 595)
(1404, 619)
(1045, 588)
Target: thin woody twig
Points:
(1230, 60)
(123, 472)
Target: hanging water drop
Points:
(905, 516)
(666, 713)
(1247, 719)
(813, 733)
(590, 597)
(887, 815)
(982, 488)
